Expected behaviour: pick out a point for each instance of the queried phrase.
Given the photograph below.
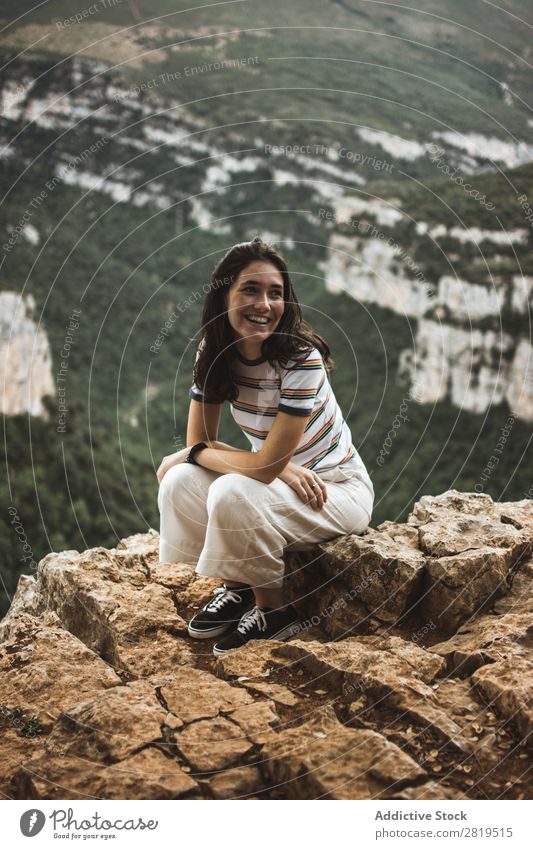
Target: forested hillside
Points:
(134, 154)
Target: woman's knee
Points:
(179, 478)
(362, 522)
(231, 489)
(364, 515)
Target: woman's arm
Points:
(221, 445)
(203, 423)
(264, 465)
(202, 426)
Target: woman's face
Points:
(255, 303)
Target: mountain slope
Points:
(118, 198)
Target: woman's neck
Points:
(248, 349)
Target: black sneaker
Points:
(261, 623)
(222, 612)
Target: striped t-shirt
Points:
(303, 391)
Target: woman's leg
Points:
(183, 513)
(236, 528)
(251, 523)
(182, 504)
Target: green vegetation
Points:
(326, 68)
(129, 267)
(27, 726)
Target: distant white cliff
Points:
(25, 359)
(470, 367)
(473, 367)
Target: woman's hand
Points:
(306, 484)
(171, 460)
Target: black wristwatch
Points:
(194, 450)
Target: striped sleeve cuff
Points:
(197, 396)
(295, 411)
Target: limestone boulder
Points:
(193, 694)
(149, 774)
(144, 545)
(455, 535)
(487, 639)
(256, 660)
(108, 600)
(110, 726)
(410, 680)
(457, 554)
(321, 759)
(516, 513)
(431, 507)
(237, 783)
(25, 602)
(210, 746)
(473, 548)
(462, 586)
(375, 573)
(45, 668)
(508, 686)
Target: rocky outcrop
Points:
(25, 359)
(411, 680)
(456, 554)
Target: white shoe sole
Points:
(208, 635)
(289, 631)
(200, 634)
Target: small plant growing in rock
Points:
(31, 727)
(26, 727)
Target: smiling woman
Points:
(255, 306)
(232, 513)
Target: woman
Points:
(231, 512)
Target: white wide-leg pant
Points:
(236, 528)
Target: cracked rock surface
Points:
(413, 678)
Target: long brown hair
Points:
(213, 370)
